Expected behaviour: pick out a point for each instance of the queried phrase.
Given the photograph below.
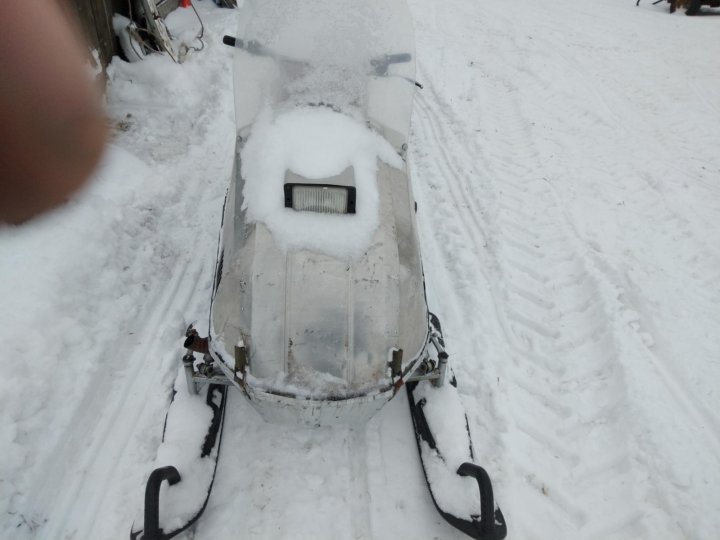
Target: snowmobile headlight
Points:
(322, 198)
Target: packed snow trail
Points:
(565, 163)
(581, 460)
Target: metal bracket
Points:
(443, 356)
(396, 362)
(188, 361)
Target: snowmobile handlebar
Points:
(380, 64)
(252, 46)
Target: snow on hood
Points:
(316, 143)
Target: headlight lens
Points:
(321, 198)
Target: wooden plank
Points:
(102, 14)
(95, 17)
(165, 7)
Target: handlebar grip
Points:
(398, 58)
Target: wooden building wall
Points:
(95, 19)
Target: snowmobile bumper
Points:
(277, 408)
(285, 408)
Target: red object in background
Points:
(185, 3)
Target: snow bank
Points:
(315, 143)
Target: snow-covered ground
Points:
(566, 162)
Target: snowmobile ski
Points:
(173, 509)
(447, 455)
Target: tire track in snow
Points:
(534, 324)
(685, 398)
(625, 315)
(574, 338)
(645, 195)
(623, 125)
(360, 515)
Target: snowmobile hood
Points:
(317, 327)
(310, 306)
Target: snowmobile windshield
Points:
(354, 56)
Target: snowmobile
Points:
(318, 312)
